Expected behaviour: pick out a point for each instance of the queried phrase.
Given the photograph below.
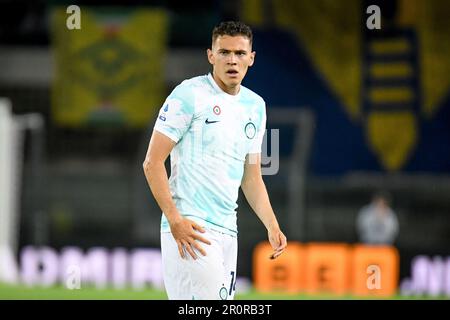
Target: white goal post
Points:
(11, 154)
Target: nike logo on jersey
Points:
(208, 122)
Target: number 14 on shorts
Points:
(225, 292)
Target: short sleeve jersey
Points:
(214, 132)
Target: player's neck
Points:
(230, 90)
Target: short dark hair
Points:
(232, 28)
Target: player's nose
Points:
(232, 59)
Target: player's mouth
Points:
(232, 73)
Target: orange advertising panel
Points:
(375, 270)
(284, 274)
(327, 268)
(330, 268)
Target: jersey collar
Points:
(219, 89)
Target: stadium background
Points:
(98, 90)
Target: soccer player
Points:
(213, 128)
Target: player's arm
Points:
(256, 194)
(183, 230)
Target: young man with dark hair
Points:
(213, 128)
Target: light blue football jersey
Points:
(213, 131)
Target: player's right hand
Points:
(185, 233)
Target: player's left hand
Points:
(278, 241)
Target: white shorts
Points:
(210, 277)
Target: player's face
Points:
(230, 57)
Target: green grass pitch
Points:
(89, 293)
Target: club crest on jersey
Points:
(250, 130)
(217, 110)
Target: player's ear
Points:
(210, 55)
(252, 58)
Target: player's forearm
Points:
(256, 194)
(158, 182)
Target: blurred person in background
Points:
(213, 129)
(377, 223)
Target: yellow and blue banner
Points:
(111, 71)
